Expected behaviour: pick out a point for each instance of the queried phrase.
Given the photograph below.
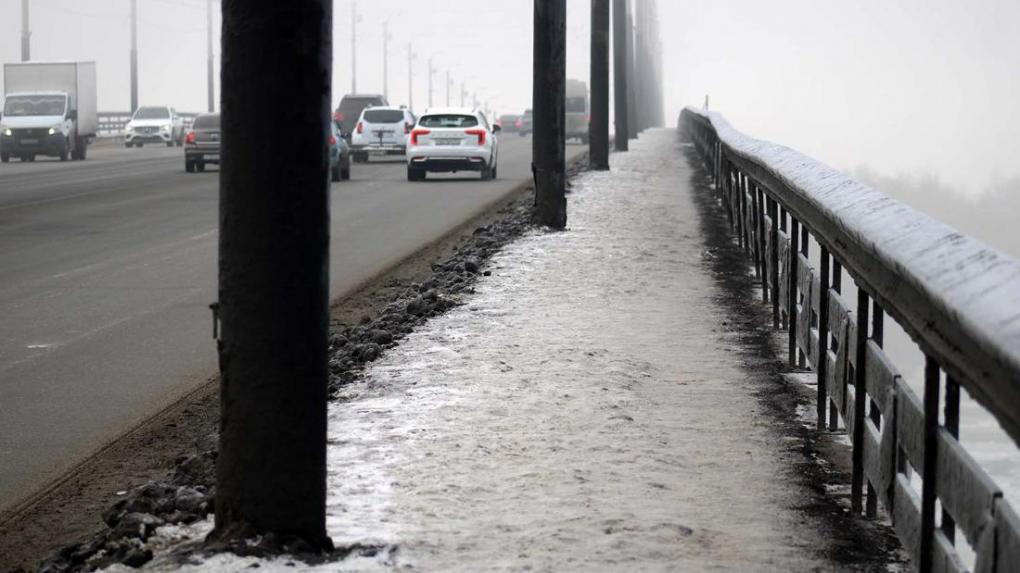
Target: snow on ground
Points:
(584, 410)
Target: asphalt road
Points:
(107, 269)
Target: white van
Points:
(577, 111)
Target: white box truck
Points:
(49, 108)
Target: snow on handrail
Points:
(956, 296)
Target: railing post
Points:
(860, 374)
(878, 336)
(738, 206)
(805, 243)
(951, 414)
(756, 233)
(932, 377)
(774, 207)
(823, 337)
(760, 198)
(837, 285)
(728, 194)
(793, 282)
(745, 234)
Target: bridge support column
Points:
(620, 91)
(599, 137)
(548, 95)
(274, 270)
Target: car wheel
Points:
(127, 145)
(189, 166)
(200, 165)
(4, 157)
(83, 150)
(345, 173)
(170, 143)
(334, 173)
(63, 154)
(486, 173)
(415, 174)
(494, 171)
(30, 158)
(139, 144)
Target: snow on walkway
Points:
(580, 412)
(583, 411)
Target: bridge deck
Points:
(608, 398)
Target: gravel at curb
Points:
(187, 494)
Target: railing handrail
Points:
(957, 297)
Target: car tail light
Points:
(479, 132)
(415, 133)
(190, 138)
(519, 123)
(337, 116)
(332, 140)
(360, 128)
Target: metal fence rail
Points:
(958, 299)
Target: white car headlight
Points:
(165, 128)
(53, 130)
(128, 128)
(8, 132)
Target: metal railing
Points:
(958, 299)
(111, 123)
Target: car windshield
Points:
(449, 120)
(152, 113)
(575, 105)
(527, 114)
(34, 105)
(207, 122)
(383, 115)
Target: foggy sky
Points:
(923, 87)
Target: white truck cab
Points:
(49, 109)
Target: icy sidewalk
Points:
(583, 411)
(587, 409)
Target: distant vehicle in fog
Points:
(508, 122)
(49, 109)
(576, 111)
(351, 106)
(525, 124)
(452, 140)
(339, 154)
(202, 144)
(381, 131)
(154, 124)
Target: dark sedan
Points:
(202, 144)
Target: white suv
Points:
(381, 131)
(154, 124)
(452, 140)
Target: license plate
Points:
(448, 141)
(29, 141)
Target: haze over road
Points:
(107, 269)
